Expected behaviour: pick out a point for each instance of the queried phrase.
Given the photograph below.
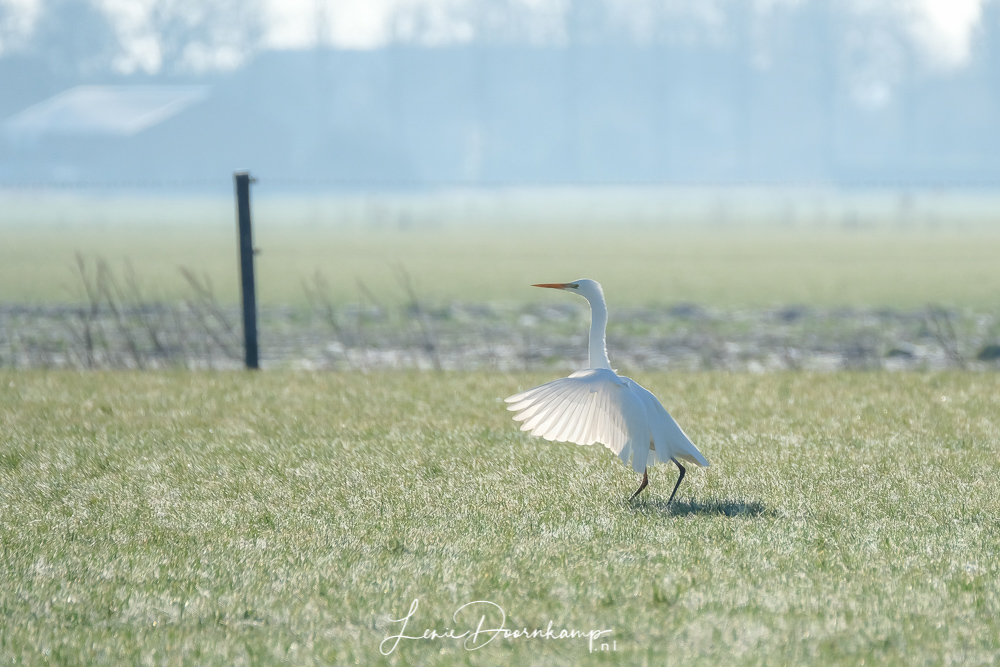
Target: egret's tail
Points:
(691, 454)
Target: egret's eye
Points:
(574, 285)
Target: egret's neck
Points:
(598, 328)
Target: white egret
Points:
(598, 405)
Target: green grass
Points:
(285, 517)
(638, 265)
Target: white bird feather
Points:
(597, 405)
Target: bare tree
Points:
(198, 34)
(76, 37)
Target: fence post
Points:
(243, 181)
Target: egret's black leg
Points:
(678, 479)
(645, 483)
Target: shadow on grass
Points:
(746, 509)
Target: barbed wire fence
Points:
(118, 326)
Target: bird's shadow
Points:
(742, 509)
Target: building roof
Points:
(104, 110)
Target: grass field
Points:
(281, 517)
(637, 265)
(648, 247)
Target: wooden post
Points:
(243, 181)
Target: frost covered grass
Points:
(286, 517)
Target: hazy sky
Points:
(940, 29)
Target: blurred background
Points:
(320, 94)
(723, 154)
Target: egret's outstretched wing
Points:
(589, 406)
(668, 437)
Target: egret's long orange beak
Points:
(556, 285)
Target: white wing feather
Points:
(590, 406)
(669, 438)
(597, 405)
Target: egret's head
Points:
(584, 287)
